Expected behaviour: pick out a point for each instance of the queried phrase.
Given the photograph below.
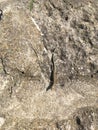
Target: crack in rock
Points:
(52, 73)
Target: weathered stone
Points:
(49, 65)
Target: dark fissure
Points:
(52, 75)
(1, 14)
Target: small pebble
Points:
(2, 121)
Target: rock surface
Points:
(49, 65)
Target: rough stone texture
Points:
(49, 65)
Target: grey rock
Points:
(49, 65)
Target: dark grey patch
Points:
(1, 14)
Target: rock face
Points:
(71, 29)
(49, 65)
